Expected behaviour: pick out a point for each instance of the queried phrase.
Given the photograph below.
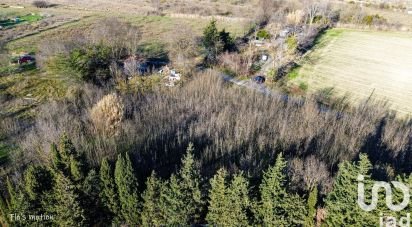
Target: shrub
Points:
(93, 62)
(373, 19)
(107, 115)
(41, 4)
(263, 34)
(292, 43)
(303, 86)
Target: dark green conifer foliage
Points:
(67, 205)
(189, 185)
(218, 210)
(151, 210)
(108, 193)
(312, 201)
(67, 160)
(38, 180)
(56, 158)
(91, 189)
(17, 205)
(180, 197)
(228, 204)
(276, 206)
(341, 203)
(127, 184)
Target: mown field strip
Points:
(357, 63)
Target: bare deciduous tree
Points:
(183, 46)
(310, 172)
(123, 38)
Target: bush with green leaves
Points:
(263, 34)
(292, 43)
(215, 42)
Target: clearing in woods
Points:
(360, 64)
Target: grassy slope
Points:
(359, 63)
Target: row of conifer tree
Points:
(74, 194)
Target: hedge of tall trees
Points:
(75, 194)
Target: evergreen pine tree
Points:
(16, 207)
(67, 203)
(181, 199)
(341, 203)
(38, 180)
(109, 191)
(228, 204)
(171, 202)
(218, 210)
(90, 198)
(312, 201)
(56, 158)
(397, 196)
(67, 160)
(66, 149)
(126, 183)
(239, 203)
(191, 196)
(77, 168)
(211, 42)
(38, 184)
(276, 207)
(151, 214)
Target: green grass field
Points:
(29, 18)
(361, 64)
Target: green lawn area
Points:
(16, 20)
(360, 64)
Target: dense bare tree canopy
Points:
(184, 113)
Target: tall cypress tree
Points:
(191, 196)
(276, 206)
(126, 183)
(181, 199)
(91, 188)
(239, 203)
(108, 193)
(38, 184)
(312, 201)
(341, 202)
(212, 42)
(67, 160)
(16, 206)
(228, 203)
(171, 202)
(57, 163)
(67, 203)
(37, 180)
(218, 210)
(151, 211)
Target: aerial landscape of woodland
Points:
(205, 112)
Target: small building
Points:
(409, 11)
(172, 77)
(264, 57)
